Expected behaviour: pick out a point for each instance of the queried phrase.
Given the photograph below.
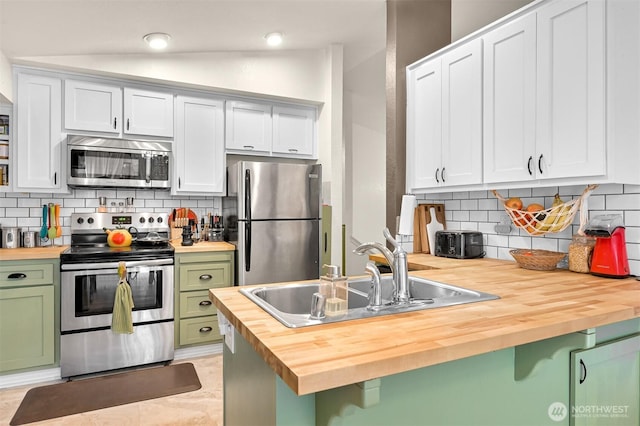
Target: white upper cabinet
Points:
(444, 120)
(549, 113)
(570, 131)
(294, 131)
(544, 94)
(104, 108)
(249, 127)
(424, 125)
(270, 130)
(509, 101)
(462, 115)
(199, 147)
(39, 138)
(148, 113)
(92, 107)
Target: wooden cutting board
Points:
(422, 218)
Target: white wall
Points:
(6, 87)
(470, 15)
(365, 159)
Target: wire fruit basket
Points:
(544, 221)
(538, 260)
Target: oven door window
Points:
(107, 165)
(95, 294)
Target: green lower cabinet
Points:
(199, 330)
(524, 385)
(26, 327)
(605, 384)
(196, 316)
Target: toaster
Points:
(459, 244)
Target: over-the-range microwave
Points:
(118, 163)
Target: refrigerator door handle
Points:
(247, 224)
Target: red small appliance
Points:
(609, 258)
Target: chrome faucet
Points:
(375, 294)
(398, 263)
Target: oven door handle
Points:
(113, 265)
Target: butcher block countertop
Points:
(32, 253)
(533, 305)
(49, 252)
(203, 246)
(419, 261)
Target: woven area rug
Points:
(64, 399)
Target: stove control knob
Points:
(80, 220)
(150, 220)
(142, 220)
(159, 220)
(90, 220)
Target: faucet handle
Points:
(394, 243)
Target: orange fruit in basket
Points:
(514, 203)
(534, 207)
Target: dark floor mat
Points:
(63, 399)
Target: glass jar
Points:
(580, 253)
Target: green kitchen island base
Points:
(526, 385)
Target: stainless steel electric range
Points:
(89, 277)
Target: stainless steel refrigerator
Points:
(272, 215)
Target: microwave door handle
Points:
(148, 168)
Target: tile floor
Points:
(201, 407)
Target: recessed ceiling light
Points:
(157, 41)
(274, 39)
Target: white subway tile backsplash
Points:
(469, 205)
(481, 210)
(632, 218)
(19, 210)
(520, 242)
(623, 202)
(544, 244)
(478, 215)
(460, 215)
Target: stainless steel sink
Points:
(291, 303)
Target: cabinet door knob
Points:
(529, 165)
(205, 303)
(205, 277)
(17, 276)
(205, 329)
(437, 171)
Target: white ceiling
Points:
(95, 27)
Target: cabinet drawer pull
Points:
(529, 165)
(17, 276)
(248, 146)
(206, 277)
(205, 329)
(293, 150)
(205, 303)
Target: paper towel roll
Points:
(406, 215)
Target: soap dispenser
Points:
(335, 289)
